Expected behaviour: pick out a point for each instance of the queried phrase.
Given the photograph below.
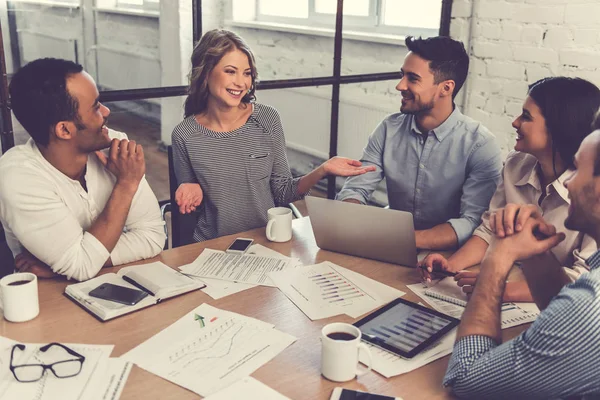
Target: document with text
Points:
(247, 268)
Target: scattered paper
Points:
(251, 269)
(325, 290)
(249, 389)
(209, 349)
(91, 383)
(513, 314)
(217, 288)
(389, 364)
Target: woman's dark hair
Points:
(206, 55)
(568, 106)
(40, 99)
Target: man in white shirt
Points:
(68, 208)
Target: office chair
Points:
(182, 225)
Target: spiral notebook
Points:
(447, 290)
(513, 314)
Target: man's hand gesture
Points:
(125, 161)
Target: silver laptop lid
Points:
(364, 231)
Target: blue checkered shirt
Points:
(557, 357)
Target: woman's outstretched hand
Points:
(188, 196)
(342, 166)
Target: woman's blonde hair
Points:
(207, 53)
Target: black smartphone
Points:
(239, 246)
(119, 294)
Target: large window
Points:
(142, 4)
(401, 17)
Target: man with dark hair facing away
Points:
(439, 164)
(67, 207)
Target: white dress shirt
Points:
(521, 185)
(48, 213)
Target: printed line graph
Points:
(224, 344)
(216, 343)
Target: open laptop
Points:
(364, 231)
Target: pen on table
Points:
(137, 285)
(441, 272)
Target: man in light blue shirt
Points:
(439, 164)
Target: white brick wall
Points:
(513, 43)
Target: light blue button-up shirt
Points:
(448, 175)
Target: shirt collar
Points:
(531, 178)
(594, 260)
(444, 129)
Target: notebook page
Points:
(158, 278)
(447, 289)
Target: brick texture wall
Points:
(515, 42)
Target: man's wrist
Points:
(500, 261)
(127, 187)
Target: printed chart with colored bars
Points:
(335, 288)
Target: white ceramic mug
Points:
(339, 355)
(20, 296)
(279, 228)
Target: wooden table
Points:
(295, 372)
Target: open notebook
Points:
(447, 290)
(159, 280)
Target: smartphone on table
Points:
(347, 394)
(239, 246)
(119, 294)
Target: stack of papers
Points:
(326, 290)
(209, 349)
(101, 377)
(513, 314)
(248, 389)
(225, 274)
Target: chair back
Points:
(182, 225)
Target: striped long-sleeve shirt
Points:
(557, 357)
(242, 173)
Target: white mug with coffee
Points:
(339, 357)
(19, 293)
(279, 228)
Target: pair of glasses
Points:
(34, 372)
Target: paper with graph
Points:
(326, 289)
(209, 349)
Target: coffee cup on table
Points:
(339, 356)
(279, 228)
(19, 294)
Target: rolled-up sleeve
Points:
(360, 187)
(484, 173)
(144, 233)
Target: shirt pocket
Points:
(259, 166)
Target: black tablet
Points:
(405, 328)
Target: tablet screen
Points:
(405, 328)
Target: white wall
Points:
(516, 42)
(511, 43)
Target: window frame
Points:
(148, 5)
(373, 23)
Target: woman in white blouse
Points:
(557, 115)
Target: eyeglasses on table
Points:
(34, 372)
